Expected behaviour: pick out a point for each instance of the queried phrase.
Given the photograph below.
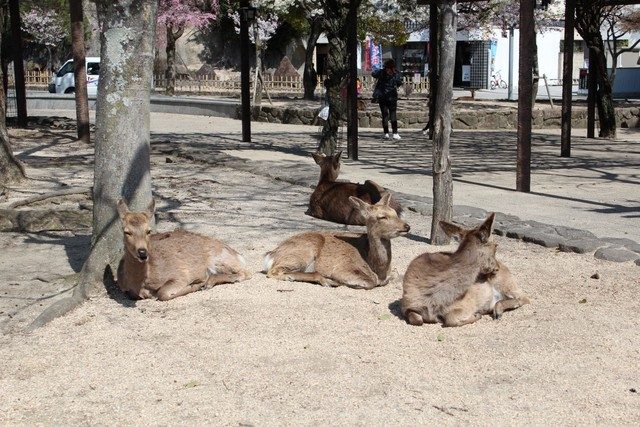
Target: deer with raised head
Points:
(435, 281)
(330, 199)
(168, 265)
(356, 260)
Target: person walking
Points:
(386, 93)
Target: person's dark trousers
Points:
(388, 110)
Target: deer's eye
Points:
(148, 231)
(128, 233)
(381, 217)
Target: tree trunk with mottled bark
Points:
(122, 160)
(588, 21)
(442, 177)
(336, 26)
(310, 73)
(173, 34)
(11, 170)
(79, 69)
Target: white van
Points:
(63, 81)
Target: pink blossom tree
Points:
(44, 28)
(176, 16)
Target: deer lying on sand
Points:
(435, 282)
(168, 265)
(355, 260)
(492, 294)
(330, 199)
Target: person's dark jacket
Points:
(386, 88)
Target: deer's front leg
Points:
(507, 305)
(174, 288)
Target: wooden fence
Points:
(277, 86)
(211, 85)
(37, 80)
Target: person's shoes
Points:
(386, 136)
(396, 136)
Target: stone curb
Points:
(565, 239)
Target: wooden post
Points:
(18, 66)
(244, 73)
(567, 78)
(352, 94)
(433, 64)
(525, 95)
(592, 86)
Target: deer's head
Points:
(381, 219)
(329, 165)
(137, 229)
(476, 242)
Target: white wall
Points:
(548, 51)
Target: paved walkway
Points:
(595, 193)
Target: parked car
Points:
(64, 82)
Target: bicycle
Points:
(496, 81)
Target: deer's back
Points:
(321, 251)
(180, 253)
(435, 280)
(330, 201)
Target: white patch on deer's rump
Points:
(267, 262)
(311, 268)
(497, 296)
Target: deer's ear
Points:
(122, 208)
(452, 229)
(318, 158)
(363, 207)
(385, 200)
(336, 158)
(484, 230)
(151, 209)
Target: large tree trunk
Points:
(122, 139)
(606, 109)
(310, 73)
(11, 170)
(173, 34)
(442, 178)
(336, 26)
(18, 62)
(525, 96)
(80, 69)
(588, 19)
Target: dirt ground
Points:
(264, 352)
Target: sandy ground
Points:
(264, 352)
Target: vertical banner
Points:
(375, 52)
(367, 54)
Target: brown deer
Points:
(434, 281)
(168, 265)
(492, 294)
(330, 199)
(357, 260)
